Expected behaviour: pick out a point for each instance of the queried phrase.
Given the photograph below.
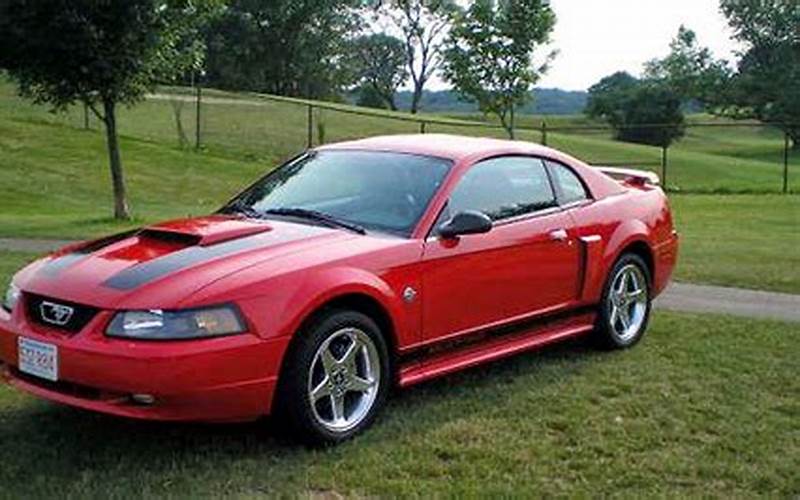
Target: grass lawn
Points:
(704, 406)
(750, 241)
(742, 159)
(55, 183)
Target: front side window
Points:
(380, 191)
(504, 187)
(570, 187)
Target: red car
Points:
(353, 268)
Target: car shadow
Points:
(41, 439)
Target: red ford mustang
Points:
(352, 268)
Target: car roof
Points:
(454, 147)
(467, 149)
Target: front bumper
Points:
(222, 379)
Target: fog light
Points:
(143, 399)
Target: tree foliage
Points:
(640, 111)
(286, 47)
(489, 56)
(102, 53)
(423, 25)
(767, 82)
(378, 63)
(689, 70)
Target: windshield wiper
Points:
(318, 216)
(242, 208)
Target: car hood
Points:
(158, 266)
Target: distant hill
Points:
(545, 101)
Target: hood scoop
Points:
(173, 237)
(205, 231)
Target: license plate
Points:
(38, 358)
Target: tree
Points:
(766, 85)
(691, 71)
(368, 97)
(378, 61)
(285, 47)
(423, 25)
(643, 112)
(607, 96)
(100, 53)
(489, 56)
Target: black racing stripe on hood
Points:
(146, 272)
(58, 264)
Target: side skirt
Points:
(492, 345)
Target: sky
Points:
(595, 38)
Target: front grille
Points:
(59, 314)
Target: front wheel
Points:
(336, 378)
(624, 310)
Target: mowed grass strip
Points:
(749, 241)
(55, 181)
(703, 406)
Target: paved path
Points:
(733, 301)
(678, 297)
(31, 245)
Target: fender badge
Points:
(409, 294)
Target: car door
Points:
(526, 264)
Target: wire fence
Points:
(713, 156)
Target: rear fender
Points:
(625, 234)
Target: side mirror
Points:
(466, 222)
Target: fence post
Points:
(786, 162)
(664, 166)
(198, 101)
(310, 141)
(544, 133)
(421, 127)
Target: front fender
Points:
(324, 286)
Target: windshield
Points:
(376, 190)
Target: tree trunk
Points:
(121, 211)
(511, 124)
(416, 98)
(177, 109)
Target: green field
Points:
(750, 241)
(705, 406)
(55, 180)
(741, 159)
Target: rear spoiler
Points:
(631, 176)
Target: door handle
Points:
(559, 235)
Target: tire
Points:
(335, 379)
(623, 316)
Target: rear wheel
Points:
(624, 310)
(336, 378)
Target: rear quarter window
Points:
(569, 186)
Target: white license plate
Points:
(38, 358)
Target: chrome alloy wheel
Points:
(627, 302)
(344, 379)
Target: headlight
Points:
(177, 325)
(11, 297)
